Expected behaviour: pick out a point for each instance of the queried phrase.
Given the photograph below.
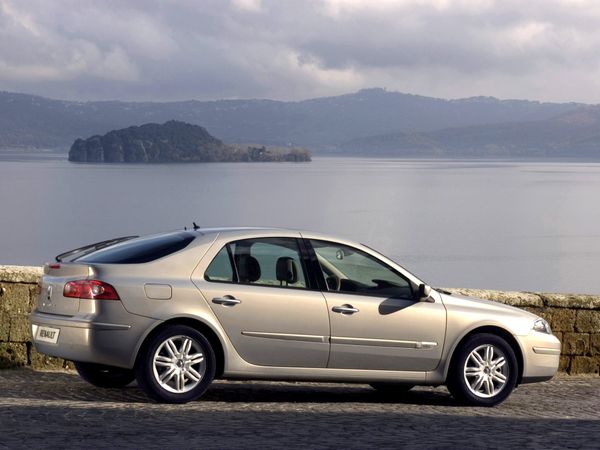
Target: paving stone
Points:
(59, 410)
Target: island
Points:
(174, 142)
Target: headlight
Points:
(542, 326)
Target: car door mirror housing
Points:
(423, 292)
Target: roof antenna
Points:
(196, 227)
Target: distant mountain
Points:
(321, 123)
(572, 134)
(172, 141)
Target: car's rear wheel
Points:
(484, 371)
(392, 388)
(104, 376)
(177, 365)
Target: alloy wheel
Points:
(486, 371)
(179, 364)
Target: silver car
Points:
(179, 309)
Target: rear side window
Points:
(140, 250)
(220, 268)
(261, 261)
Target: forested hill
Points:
(573, 134)
(171, 142)
(321, 123)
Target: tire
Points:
(176, 365)
(104, 376)
(483, 372)
(392, 388)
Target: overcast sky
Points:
(211, 49)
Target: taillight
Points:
(92, 289)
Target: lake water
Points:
(497, 225)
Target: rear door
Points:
(261, 293)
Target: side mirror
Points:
(423, 293)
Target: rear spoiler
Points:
(68, 270)
(92, 247)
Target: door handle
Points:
(345, 309)
(226, 300)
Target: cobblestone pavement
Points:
(57, 409)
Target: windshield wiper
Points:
(86, 249)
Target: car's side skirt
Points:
(323, 374)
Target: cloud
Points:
(175, 49)
(248, 5)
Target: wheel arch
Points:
(495, 330)
(196, 324)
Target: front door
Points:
(376, 323)
(260, 292)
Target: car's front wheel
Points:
(484, 371)
(104, 376)
(177, 365)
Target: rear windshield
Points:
(140, 250)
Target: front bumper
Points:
(85, 338)
(541, 355)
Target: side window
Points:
(269, 262)
(220, 267)
(350, 270)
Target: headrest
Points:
(286, 270)
(248, 268)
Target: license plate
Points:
(47, 334)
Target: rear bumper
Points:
(86, 339)
(541, 354)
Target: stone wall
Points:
(575, 319)
(18, 292)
